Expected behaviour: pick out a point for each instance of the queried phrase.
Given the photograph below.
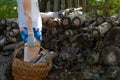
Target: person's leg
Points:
(31, 52)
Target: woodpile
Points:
(88, 47)
(10, 40)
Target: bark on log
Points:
(112, 37)
(104, 28)
(47, 57)
(3, 41)
(110, 55)
(13, 46)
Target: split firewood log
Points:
(53, 22)
(11, 39)
(13, 32)
(1, 36)
(42, 53)
(48, 15)
(5, 67)
(2, 72)
(114, 19)
(89, 23)
(67, 20)
(48, 57)
(3, 41)
(70, 32)
(76, 38)
(80, 18)
(48, 36)
(110, 55)
(14, 25)
(99, 20)
(7, 53)
(1, 29)
(97, 32)
(8, 28)
(93, 58)
(104, 28)
(3, 22)
(112, 37)
(112, 72)
(117, 77)
(13, 46)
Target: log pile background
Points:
(89, 50)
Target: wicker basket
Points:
(29, 71)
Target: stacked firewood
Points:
(10, 37)
(88, 45)
(10, 40)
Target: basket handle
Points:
(16, 52)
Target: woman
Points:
(30, 26)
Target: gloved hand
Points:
(31, 40)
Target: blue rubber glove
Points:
(31, 40)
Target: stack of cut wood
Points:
(83, 44)
(88, 47)
(10, 40)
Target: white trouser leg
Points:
(31, 52)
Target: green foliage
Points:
(8, 8)
(110, 6)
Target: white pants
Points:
(31, 52)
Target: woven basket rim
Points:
(17, 51)
(25, 69)
(16, 59)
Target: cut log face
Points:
(14, 25)
(52, 23)
(3, 21)
(76, 22)
(110, 55)
(113, 37)
(99, 20)
(66, 21)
